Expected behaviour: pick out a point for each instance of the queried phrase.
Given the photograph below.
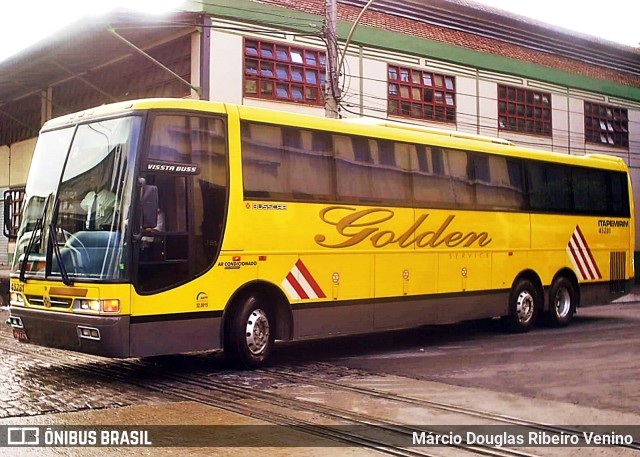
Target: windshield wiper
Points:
(32, 240)
(53, 229)
(56, 252)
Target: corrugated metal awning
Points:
(85, 46)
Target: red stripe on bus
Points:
(312, 282)
(296, 286)
(577, 260)
(583, 256)
(593, 260)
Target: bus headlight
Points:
(16, 299)
(84, 305)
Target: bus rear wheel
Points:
(562, 302)
(524, 304)
(249, 337)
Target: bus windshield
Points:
(78, 199)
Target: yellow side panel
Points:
(506, 265)
(400, 274)
(210, 292)
(464, 271)
(341, 277)
(583, 244)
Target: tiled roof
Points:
(471, 41)
(539, 24)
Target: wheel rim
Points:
(525, 307)
(562, 302)
(257, 332)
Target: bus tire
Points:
(563, 299)
(524, 305)
(249, 337)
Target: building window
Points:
(282, 72)
(421, 94)
(605, 124)
(524, 111)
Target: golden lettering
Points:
(381, 239)
(451, 240)
(355, 220)
(431, 238)
(482, 239)
(359, 226)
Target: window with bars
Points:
(605, 124)
(421, 94)
(524, 110)
(281, 72)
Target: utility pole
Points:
(332, 89)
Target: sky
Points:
(615, 20)
(23, 23)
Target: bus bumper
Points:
(603, 293)
(106, 336)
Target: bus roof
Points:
(430, 130)
(416, 133)
(113, 109)
(381, 128)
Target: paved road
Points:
(594, 362)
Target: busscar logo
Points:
(269, 206)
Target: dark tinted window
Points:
(282, 163)
(192, 204)
(591, 192)
(549, 187)
(286, 163)
(499, 183)
(619, 195)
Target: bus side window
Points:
(193, 202)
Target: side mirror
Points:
(7, 214)
(149, 206)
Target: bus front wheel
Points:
(524, 304)
(250, 334)
(562, 302)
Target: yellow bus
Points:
(165, 226)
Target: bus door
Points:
(185, 165)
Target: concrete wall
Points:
(20, 156)
(4, 166)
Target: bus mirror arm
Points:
(149, 206)
(7, 214)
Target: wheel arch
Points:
(570, 275)
(278, 303)
(535, 279)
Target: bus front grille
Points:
(54, 302)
